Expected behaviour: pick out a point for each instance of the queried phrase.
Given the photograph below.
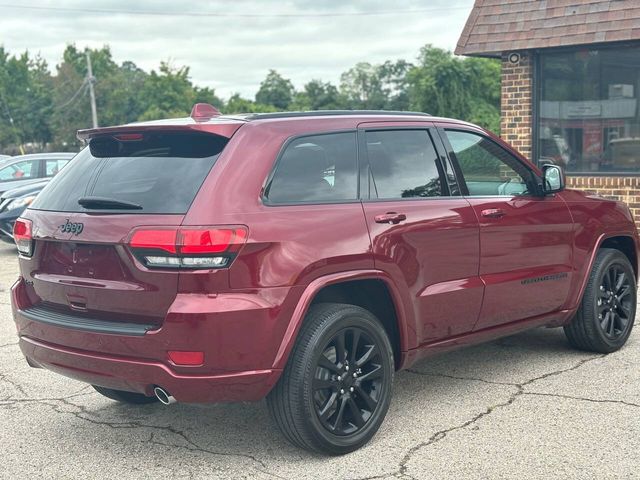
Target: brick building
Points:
(570, 85)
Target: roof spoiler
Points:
(199, 120)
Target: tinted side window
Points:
(318, 168)
(20, 170)
(402, 164)
(488, 169)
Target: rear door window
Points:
(402, 164)
(160, 172)
(316, 169)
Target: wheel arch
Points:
(625, 242)
(369, 289)
(626, 245)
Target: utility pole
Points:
(91, 79)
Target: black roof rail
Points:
(322, 113)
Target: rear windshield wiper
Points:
(108, 203)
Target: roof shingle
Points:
(496, 26)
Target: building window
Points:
(588, 116)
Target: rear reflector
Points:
(186, 358)
(186, 247)
(23, 236)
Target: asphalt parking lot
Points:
(526, 407)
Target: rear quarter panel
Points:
(288, 247)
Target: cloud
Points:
(233, 53)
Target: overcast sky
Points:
(231, 45)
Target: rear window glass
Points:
(402, 164)
(160, 172)
(317, 168)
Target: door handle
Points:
(493, 213)
(390, 217)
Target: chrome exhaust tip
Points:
(163, 396)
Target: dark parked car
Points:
(25, 169)
(13, 203)
(305, 257)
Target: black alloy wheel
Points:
(347, 381)
(615, 302)
(607, 311)
(336, 387)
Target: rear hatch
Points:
(81, 265)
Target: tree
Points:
(373, 87)
(362, 87)
(317, 95)
(166, 93)
(124, 93)
(25, 99)
(47, 109)
(237, 104)
(276, 91)
(444, 85)
(71, 107)
(393, 80)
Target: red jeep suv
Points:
(306, 257)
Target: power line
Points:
(232, 15)
(83, 88)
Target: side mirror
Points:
(552, 179)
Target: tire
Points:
(607, 312)
(125, 397)
(307, 403)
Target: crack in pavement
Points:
(84, 414)
(193, 446)
(454, 377)
(491, 382)
(585, 399)
(441, 434)
(196, 448)
(8, 344)
(9, 401)
(4, 378)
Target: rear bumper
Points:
(141, 376)
(240, 334)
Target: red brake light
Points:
(211, 240)
(23, 236)
(188, 247)
(129, 137)
(191, 359)
(155, 239)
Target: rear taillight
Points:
(186, 247)
(23, 236)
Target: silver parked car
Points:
(26, 169)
